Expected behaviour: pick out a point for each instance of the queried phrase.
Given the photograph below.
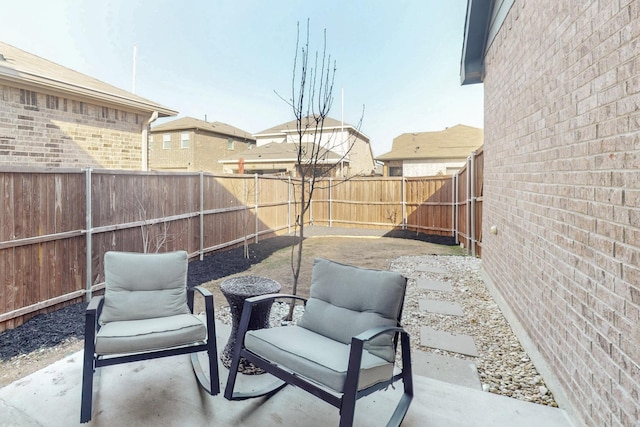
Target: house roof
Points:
(476, 30)
(24, 68)
(454, 142)
(279, 152)
(188, 123)
(290, 127)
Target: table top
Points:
(249, 286)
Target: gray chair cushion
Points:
(142, 286)
(135, 336)
(314, 356)
(346, 301)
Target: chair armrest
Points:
(271, 297)
(94, 308)
(206, 294)
(369, 334)
(202, 291)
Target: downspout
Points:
(145, 141)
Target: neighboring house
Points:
(278, 158)
(342, 145)
(431, 153)
(561, 196)
(189, 144)
(52, 116)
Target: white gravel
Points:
(503, 365)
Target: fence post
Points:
(455, 212)
(330, 213)
(201, 215)
(472, 194)
(289, 206)
(256, 205)
(468, 203)
(88, 230)
(404, 205)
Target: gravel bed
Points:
(503, 365)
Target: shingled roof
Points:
(188, 123)
(454, 142)
(290, 127)
(24, 68)
(280, 152)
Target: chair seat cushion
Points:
(133, 336)
(315, 356)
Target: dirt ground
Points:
(50, 337)
(370, 252)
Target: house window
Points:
(53, 102)
(166, 141)
(184, 140)
(395, 170)
(77, 107)
(28, 97)
(105, 112)
(229, 144)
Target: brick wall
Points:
(46, 130)
(205, 149)
(562, 184)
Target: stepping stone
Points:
(441, 307)
(434, 285)
(429, 268)
(446, 368)
(462, 344)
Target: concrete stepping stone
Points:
(434, 285)
(441, 307)
(446, 368)
(429, 268)
(462, 344)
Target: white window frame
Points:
(184, 140)
(166, 141)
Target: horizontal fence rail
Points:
(55, 226)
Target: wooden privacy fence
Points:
(55, 226)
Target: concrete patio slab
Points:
(441, 307)
(430, 268)
(164, 392)
(434, 285)
(447, 369)
(462, 344)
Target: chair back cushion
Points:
(142, 286)
(345, 301)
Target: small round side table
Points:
(236, 290)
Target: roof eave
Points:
(34, 80)
(474, 41)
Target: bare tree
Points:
(311, 101)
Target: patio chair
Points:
(344, 346)
(146, 313)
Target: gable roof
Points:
(24, 68)
(454, 142)
(279, 152)
(330, 124)
(188, 123)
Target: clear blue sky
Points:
(226, 59)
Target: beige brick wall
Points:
(205, 149)
(562, 184)
(46, 130)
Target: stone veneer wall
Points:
(45, 130)
(562, 185)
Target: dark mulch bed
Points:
(51, 329)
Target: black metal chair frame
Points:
(93, 361)
(346, 401)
